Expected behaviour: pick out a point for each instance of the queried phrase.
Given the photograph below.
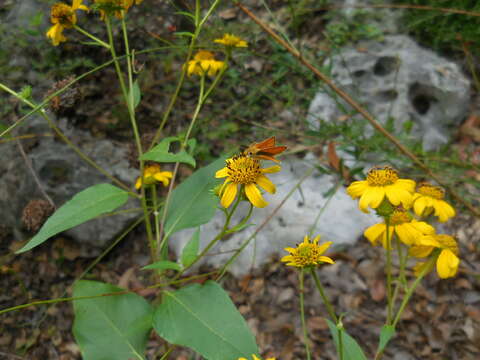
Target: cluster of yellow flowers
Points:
(393, 199)
(63, 16)
(204, 62)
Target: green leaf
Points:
(161, 153)
(386, 334)
(184, 33)
(351, 349)
(137, 94)
(190, 251)
(163, 265)
(86, 205)
(193, 202)
(110, 327)
(204, 319)
(26, 92)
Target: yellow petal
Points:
(322, 248)
(428, 240)
(272, 169)
(326, 259)
(163, 179)
(406, 184)
(419, 205)
(357, 188)
(254, 195)
(372, 197)
(406, 233)
(420, 251)
(373, 233)
(398, 195)
(423, 227)
(228, 195)
(447, 264)
(266, 184)
(138, 183)
(443, 210)
(221, 173)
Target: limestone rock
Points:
(399, 79)
(336, 218)
(63, 175)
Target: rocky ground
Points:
(442, 322)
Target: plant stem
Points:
(325, 300)
(388, 249)
(302, 315)
(412, 288)
(94, 38)
(128, 97)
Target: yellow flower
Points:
(204, 63)
(255, 357)
(245, 171)
(447, 261)
(63, 17)
(114, 7)
(308, 253)
(407, 229)
(381, 183)
(429, 198)
(230, 40)
(153, 174)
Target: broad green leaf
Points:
(193, 202)
(86, 205)
(190, 251)
(351, 349)
(110, 327)
(161, 153)
(205, 319)
(163, 265)
(137, 94)
(386, 334)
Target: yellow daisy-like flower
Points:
(429, 198)
(204, 63)
(308, 253)
(231, 40)
(382, 183)
(245, 171)
(63, 17)
(447, 261)
(255, 357)
(114, 7)
(407, 229)
(153, 174)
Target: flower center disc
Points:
(382, 177)
(243, 170)
(399, 217)
(435, 192)
(62, 13)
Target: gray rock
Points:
(335, 218)
(63, 175)
(399, 79)
(386, 20)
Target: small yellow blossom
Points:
(429, 198)
(245, 171)
(255, 357)
(382, 183)
(116, 7)
(63, 17)
(447, 261)
(204, 63)
(308, 253)
(407, 229)
(231, 40)
(153, 174)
